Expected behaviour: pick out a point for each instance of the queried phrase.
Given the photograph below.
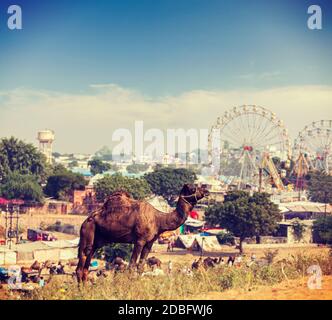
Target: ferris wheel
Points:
(315, 143)
(240, 139)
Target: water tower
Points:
(46, 138)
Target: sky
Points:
(86, 68)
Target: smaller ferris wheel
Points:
(315, 143)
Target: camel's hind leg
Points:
(145, 252)
(86, 249)
(136, 253)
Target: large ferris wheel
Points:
(315, 143)
(242, 137)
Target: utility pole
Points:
(202, 249)
(6, 226)
(325, 200)
(17, 218)
(325, 210)
(260, 179)
(9, 217)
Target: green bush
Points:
(226, 238)
(21, 186)
(323, 227)
(298, 229)
(137, 187)
(114, 250)
(270, 255)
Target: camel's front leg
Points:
(90, 253)
(145, 252)
(85, 250)
(80, 266)
(136, 253)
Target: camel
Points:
(119, 264)
(197, 264)
(125, 220)
(118, 260)
(211, 263)
(206, 263)
(36, 266)
(153, 261)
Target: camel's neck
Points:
(173, 220)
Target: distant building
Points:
(286, 229)
(305, 213)
(84, 201)
(304, 210)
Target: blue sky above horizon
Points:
(165, 47)
(171, 63)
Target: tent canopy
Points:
(4, 201)
(190, 222)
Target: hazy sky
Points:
(85, 68)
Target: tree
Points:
(62, 184)
(245, 215)
(23, 158)
(137, 187)
(168, 182)
(298, 229)
(197, 168)
(320, 187)
(56, 154)
(19, 186)
(105, 154)
(137, 168)
(98, 166)
(323, 227)
(58, 169)
(73, 164)
(115, 250)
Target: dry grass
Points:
(130, 286)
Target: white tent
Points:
(194, 223)
(7, 256)
(197, 243)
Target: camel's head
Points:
(193, 193)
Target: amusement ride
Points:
(312, 151)
(314, 142)
(244, 143)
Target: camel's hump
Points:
(119, 201)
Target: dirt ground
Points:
(182, 256)
(292, 290)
